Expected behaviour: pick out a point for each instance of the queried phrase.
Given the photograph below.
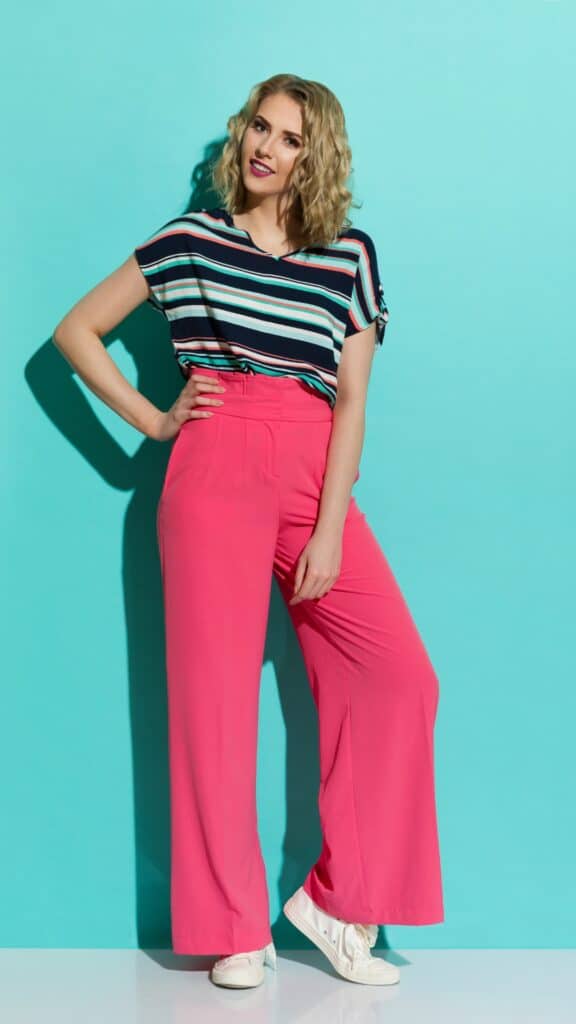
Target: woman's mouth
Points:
(259, 169)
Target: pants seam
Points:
(356, 828)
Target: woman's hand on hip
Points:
(190, 404)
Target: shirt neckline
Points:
(230, 222)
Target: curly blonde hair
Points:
(318, 199)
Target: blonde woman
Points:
(275, 308)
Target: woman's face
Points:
(273, 137)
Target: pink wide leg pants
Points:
(238, 504)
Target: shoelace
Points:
(360, 942)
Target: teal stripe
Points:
(222, 363)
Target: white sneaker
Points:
(243, 970)
(346, 945)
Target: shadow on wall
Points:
(52, 381)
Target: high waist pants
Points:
(238, 504)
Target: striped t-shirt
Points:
(232, 306)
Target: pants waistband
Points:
(258, 396)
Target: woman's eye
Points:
(258, 124)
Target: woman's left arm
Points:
(319, 563)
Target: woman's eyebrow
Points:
(286, 130)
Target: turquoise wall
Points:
(459, 119)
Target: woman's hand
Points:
(189, 405)
(318, 566)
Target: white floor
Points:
(38, 986)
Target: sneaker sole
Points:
(326, 948)
(234, 984)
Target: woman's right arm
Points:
(79, 334)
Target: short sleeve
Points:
(367, 302)
(161, 258)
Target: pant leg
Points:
(376, 693)
(216, 530)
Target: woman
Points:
(275, 308)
